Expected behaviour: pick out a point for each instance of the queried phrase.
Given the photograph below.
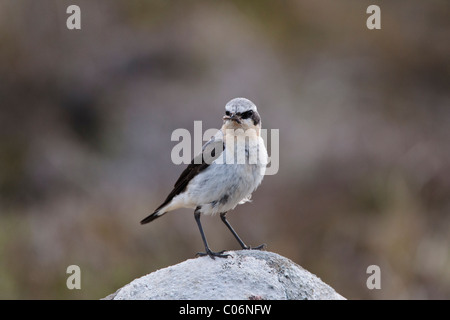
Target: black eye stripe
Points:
(247, 114)
(244, 115)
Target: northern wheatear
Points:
(230, 167)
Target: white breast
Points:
(229, 181)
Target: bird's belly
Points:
(221, 187)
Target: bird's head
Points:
(241, 113)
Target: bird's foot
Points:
(212, 254)
(260, 247)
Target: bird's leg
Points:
(208, 251)
(223, 216)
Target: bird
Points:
(224, 174)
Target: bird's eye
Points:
(227, 113)
(247, 114)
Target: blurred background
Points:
(86, 119)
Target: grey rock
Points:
(246, 274)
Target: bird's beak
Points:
(233, 117)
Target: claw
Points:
(212, 254)
(260, 247)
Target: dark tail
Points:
(151, 217)
(157, 212)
